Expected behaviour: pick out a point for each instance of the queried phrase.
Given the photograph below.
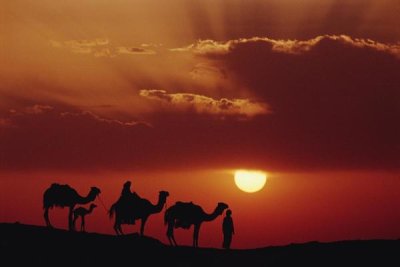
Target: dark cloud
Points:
(289, 46)
(336, 100)
(335, 105)
(67, 139)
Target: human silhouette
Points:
(125, 201)
(82, 212)
(228, 230)
(185, 214)
(126, 192)
(130, 207)
(65, 196)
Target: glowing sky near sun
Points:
(176, 94)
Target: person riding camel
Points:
(128, 199)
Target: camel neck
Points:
(160, 204)
(87, 199)
(212, 216)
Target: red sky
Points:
(176, 95)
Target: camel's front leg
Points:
(196, 235)
(142, 225)
(83, 229)
(70, 219)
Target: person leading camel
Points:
(228, 230)
(185, 214)
(82, 212)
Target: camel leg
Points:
(173, 240)
(169, 239)
(196, 235)
(70, 219)
(171, 243)
(116, 227)
(170, 234)
(74, 221)
(46, 217)
(83, 224)
(119, 227)
(142, 225)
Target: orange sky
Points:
(176, 92)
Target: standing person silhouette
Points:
(228, 230)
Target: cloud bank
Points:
(326, 103)
(203, 104)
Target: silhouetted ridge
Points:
(26, 245)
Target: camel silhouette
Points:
(65, 196)
(82, 212)
(185, 214)
(128, 210)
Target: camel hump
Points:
(62, 191)
(184, 204)
(58, 186)
(186, 207)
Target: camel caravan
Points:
(129, 208)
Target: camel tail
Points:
(111, 211)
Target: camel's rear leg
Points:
(46, 217)
(117, 227)
(74, 221)
(196, 236)
(172, 241)
(170, 235)
(71, 219)
(120, 229)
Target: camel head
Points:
(94, 191)
(163, 194)
(221, 207)
(162, 197)
(92, 206)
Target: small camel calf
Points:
(82, 212)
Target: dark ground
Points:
(26, 245)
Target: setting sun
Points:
(250, 181)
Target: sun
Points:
(250, 181)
